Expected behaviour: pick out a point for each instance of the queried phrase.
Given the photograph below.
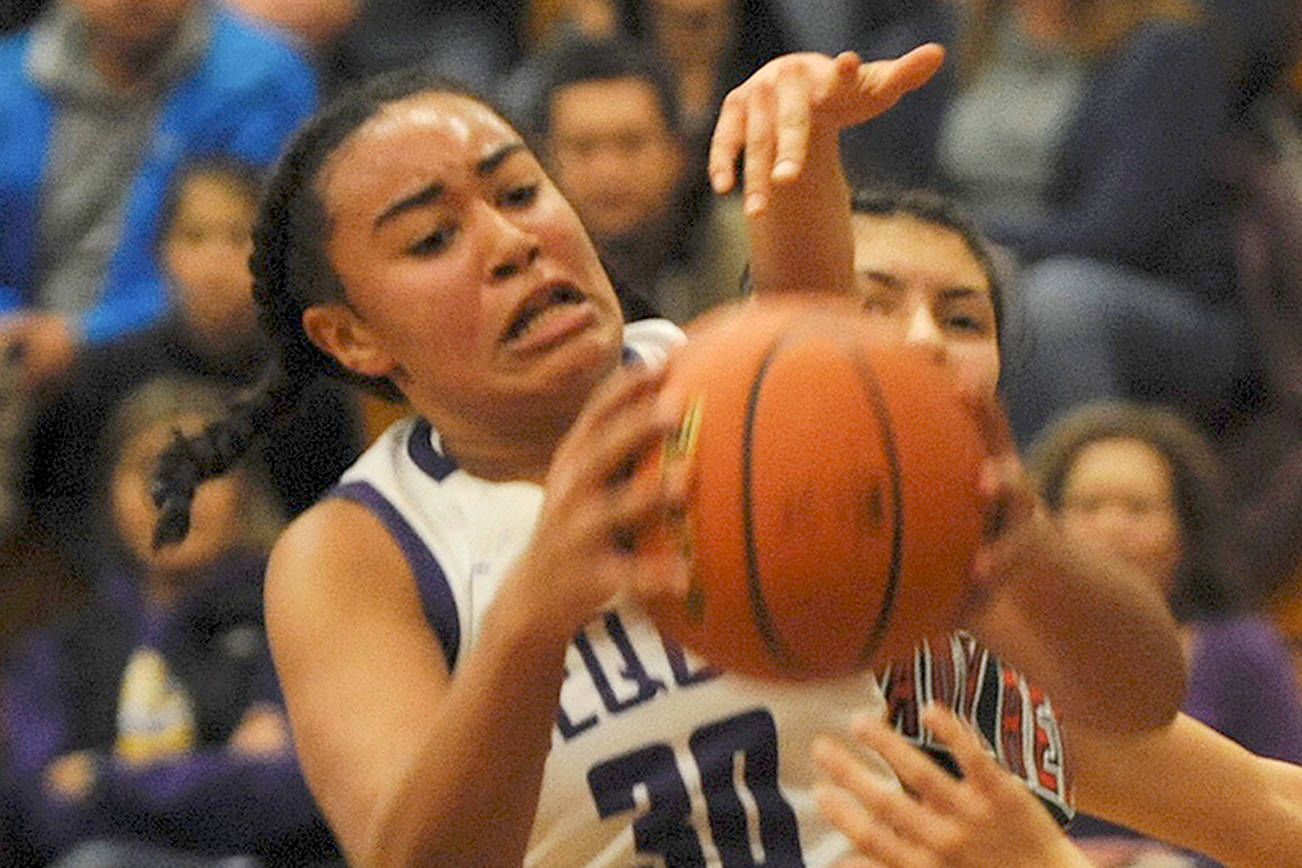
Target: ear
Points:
(339, 332)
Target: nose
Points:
(922, 330)
(514, 248)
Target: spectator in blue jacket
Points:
(151, 721)
(99, 102)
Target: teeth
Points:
(534, 311)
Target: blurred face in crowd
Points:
(206, 254)
(692, 32)
(214, 517)
(614, 155)
(1118, 498)
(132, 25)
(920, 283)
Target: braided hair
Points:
(291, 273)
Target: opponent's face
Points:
(206, 253)
(614, 155)
(214, 514)
(1118, 498)
(921, 284)
(470, 281)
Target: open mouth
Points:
(540, 303)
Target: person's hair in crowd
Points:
(1201, 585)
(581, 60)
(1090, 28)
(291, 272)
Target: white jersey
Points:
(656, 758)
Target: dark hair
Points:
(580, 60)
(240, 176)
(165, 400)
(927, 206)
(290, 273)
(1202, 585)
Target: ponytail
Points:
(188, 461)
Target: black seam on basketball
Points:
(773, 643)
(883, 415)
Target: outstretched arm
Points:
(1189, 785)
(786, 119)
(1102, 644)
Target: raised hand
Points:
(986, 819)
(606, 496)
(775, 112)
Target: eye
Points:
(519, 197)
(879, 304)
(966, 324)
(434, 243)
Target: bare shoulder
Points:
(337, 569)
(333, 537)
(342, 609)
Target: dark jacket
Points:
(61, 693)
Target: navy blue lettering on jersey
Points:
(736, 760)
(435, 592)
(624, 682)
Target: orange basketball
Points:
(835, 507)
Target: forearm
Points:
(801, 241)
(1190, 786)
(470, 792)
(1103, 645)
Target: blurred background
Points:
(1138, 163)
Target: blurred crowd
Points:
(1137, 162)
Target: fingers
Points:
(914, 768)
(977, 765)
(793, 120)
(885, 81)
(770, 114)
(760, 146)
(726, 143)
(877, 843)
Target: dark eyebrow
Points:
(421, 197)
(431, 193)
(882, 277)
(489, 164)
(958, 293)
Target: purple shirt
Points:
(1243, 684)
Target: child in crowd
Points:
(209, 333)
(152, 718)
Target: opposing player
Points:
(927, 277)
(469, 676)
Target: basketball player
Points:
(469, 676)
(927, 277)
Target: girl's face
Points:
(214, 515)
(1118, 498)
(921, 284)
(206, 253)
(470, 281)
